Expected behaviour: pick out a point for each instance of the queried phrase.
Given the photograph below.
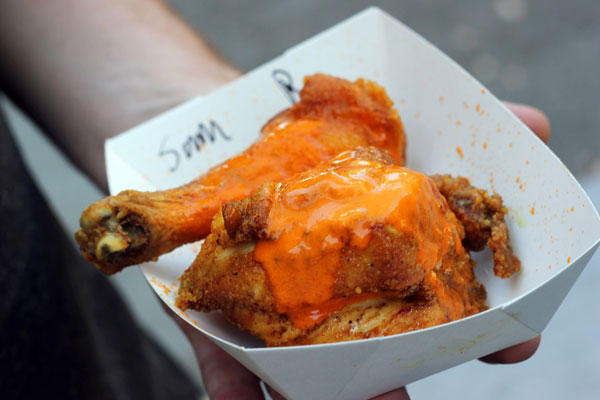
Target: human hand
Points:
(225, 378)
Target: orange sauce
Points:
(307, 316)
(321, 212)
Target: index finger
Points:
(514, 354)
(533, 117)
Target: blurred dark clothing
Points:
(64, 331)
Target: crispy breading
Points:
(482, 215)
(226, 277)
(392, 293)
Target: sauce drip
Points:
(322, 211)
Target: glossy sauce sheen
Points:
(323, 211)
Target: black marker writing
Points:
(285, 82)
(162, 153)
(202, 137)
(193, 143)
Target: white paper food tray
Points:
(454, 125)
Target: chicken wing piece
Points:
(355, 248)
(482, 216)
(334, 115)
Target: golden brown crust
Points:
(246, 220)
(228, 275)
(482, 216)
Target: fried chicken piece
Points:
(355, 248)
(482, 215)
(334, 115)
(431, 305)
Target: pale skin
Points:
(86, 71)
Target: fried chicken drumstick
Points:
(334, 115)
(357, 247)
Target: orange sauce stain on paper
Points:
(319, 213)
(460, 152)
(165, 289)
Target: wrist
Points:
(164, 90)
(102, 69)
